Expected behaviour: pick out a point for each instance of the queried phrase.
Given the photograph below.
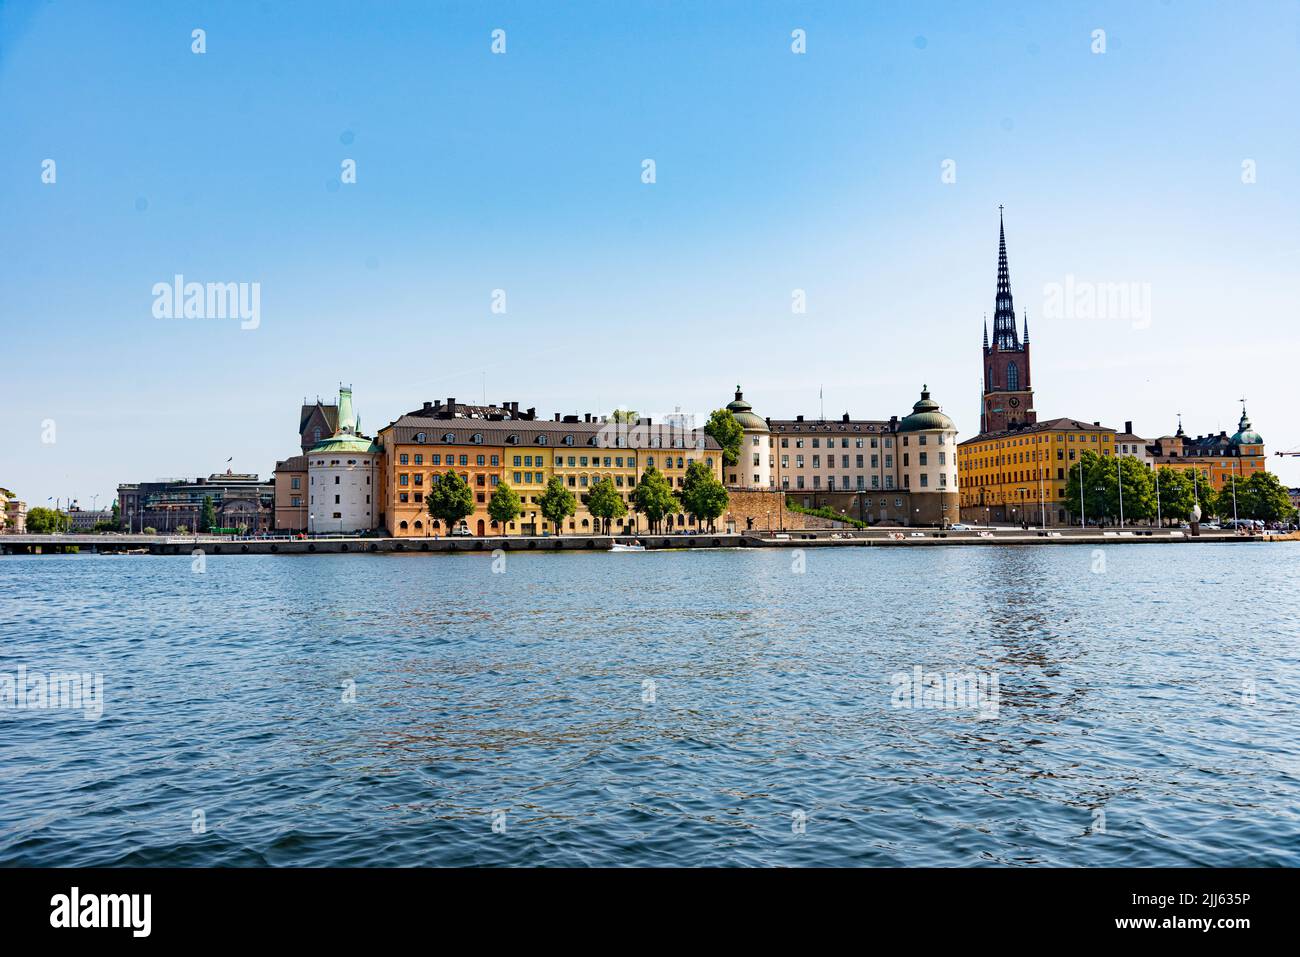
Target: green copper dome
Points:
(925, 416)
(1245, 435)
(343, 442)
(749, 420)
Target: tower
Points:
(1008, 399)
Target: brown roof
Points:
(813, 426)
(1063, 424)
(527, 433)
(330, 412)
(295, 463)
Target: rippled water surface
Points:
(1146, 714)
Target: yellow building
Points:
(1021, 474)
(488, 445)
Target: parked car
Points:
(461, 530)
(960, 527)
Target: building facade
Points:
(1020, 475)
(344, 476)
(1217, 459)
(897, 471)
(13, 513)
(755, 463)
(240, 500)
(488, 445)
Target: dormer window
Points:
(449, 437)
(512, 439)
(541, 440)
(419, 437)
(478, 438)
(568, 440)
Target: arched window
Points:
(478, 438)
(449, 437)
(1013, 378)
(988, 379)
(419, 437)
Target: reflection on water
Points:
(658, 708)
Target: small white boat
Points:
(620, 547)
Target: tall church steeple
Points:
(1008, 401)
(1004, 313)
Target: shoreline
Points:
(796, 538)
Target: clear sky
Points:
(775, 171)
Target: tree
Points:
(117, 517)
(1102, 486)
(653, 497)
(1175, 494)
(208, 515)
(624, 416)
(557, 503)
(504, 506)
(1266, 498)
(726, 431)
(182, 530)
(703, 496)
(605, 503)
(149, 530)
(450, 500)
(46, 521)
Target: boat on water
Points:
(620, 547)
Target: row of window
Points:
(573, 461)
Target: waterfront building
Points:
(13, 513)
(1217, 458)
(487, 445)
(344, 473)
(240, 499)
(290, 478)
(754, 468)
(1020, 475)
(893, 470)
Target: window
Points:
(404, 459)
(420, 437)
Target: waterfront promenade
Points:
(790, 538)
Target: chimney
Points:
(846, 417)
(451, 407)
(586, 417)
(1128, 426)
(1096, 423)
(557, 417)
(798, 418)
(427, 406)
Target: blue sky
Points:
(522, 172)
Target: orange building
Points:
(1217, 458)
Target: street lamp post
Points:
(1119, 471)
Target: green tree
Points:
(557, 503)
(149, 530)
(1175, 494)
(653, 497)
(1102, 486)
(504, 506)
(605, 503)
(208, 515)
(624, 416)
(450, 500)
(726, 431)
(1266, 498)
(182, 529)
(703, 496)
(117, 517)
(46, 521)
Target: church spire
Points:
(1004, 315)
(1026, 314)
(986, 331)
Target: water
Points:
(1124, 692)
